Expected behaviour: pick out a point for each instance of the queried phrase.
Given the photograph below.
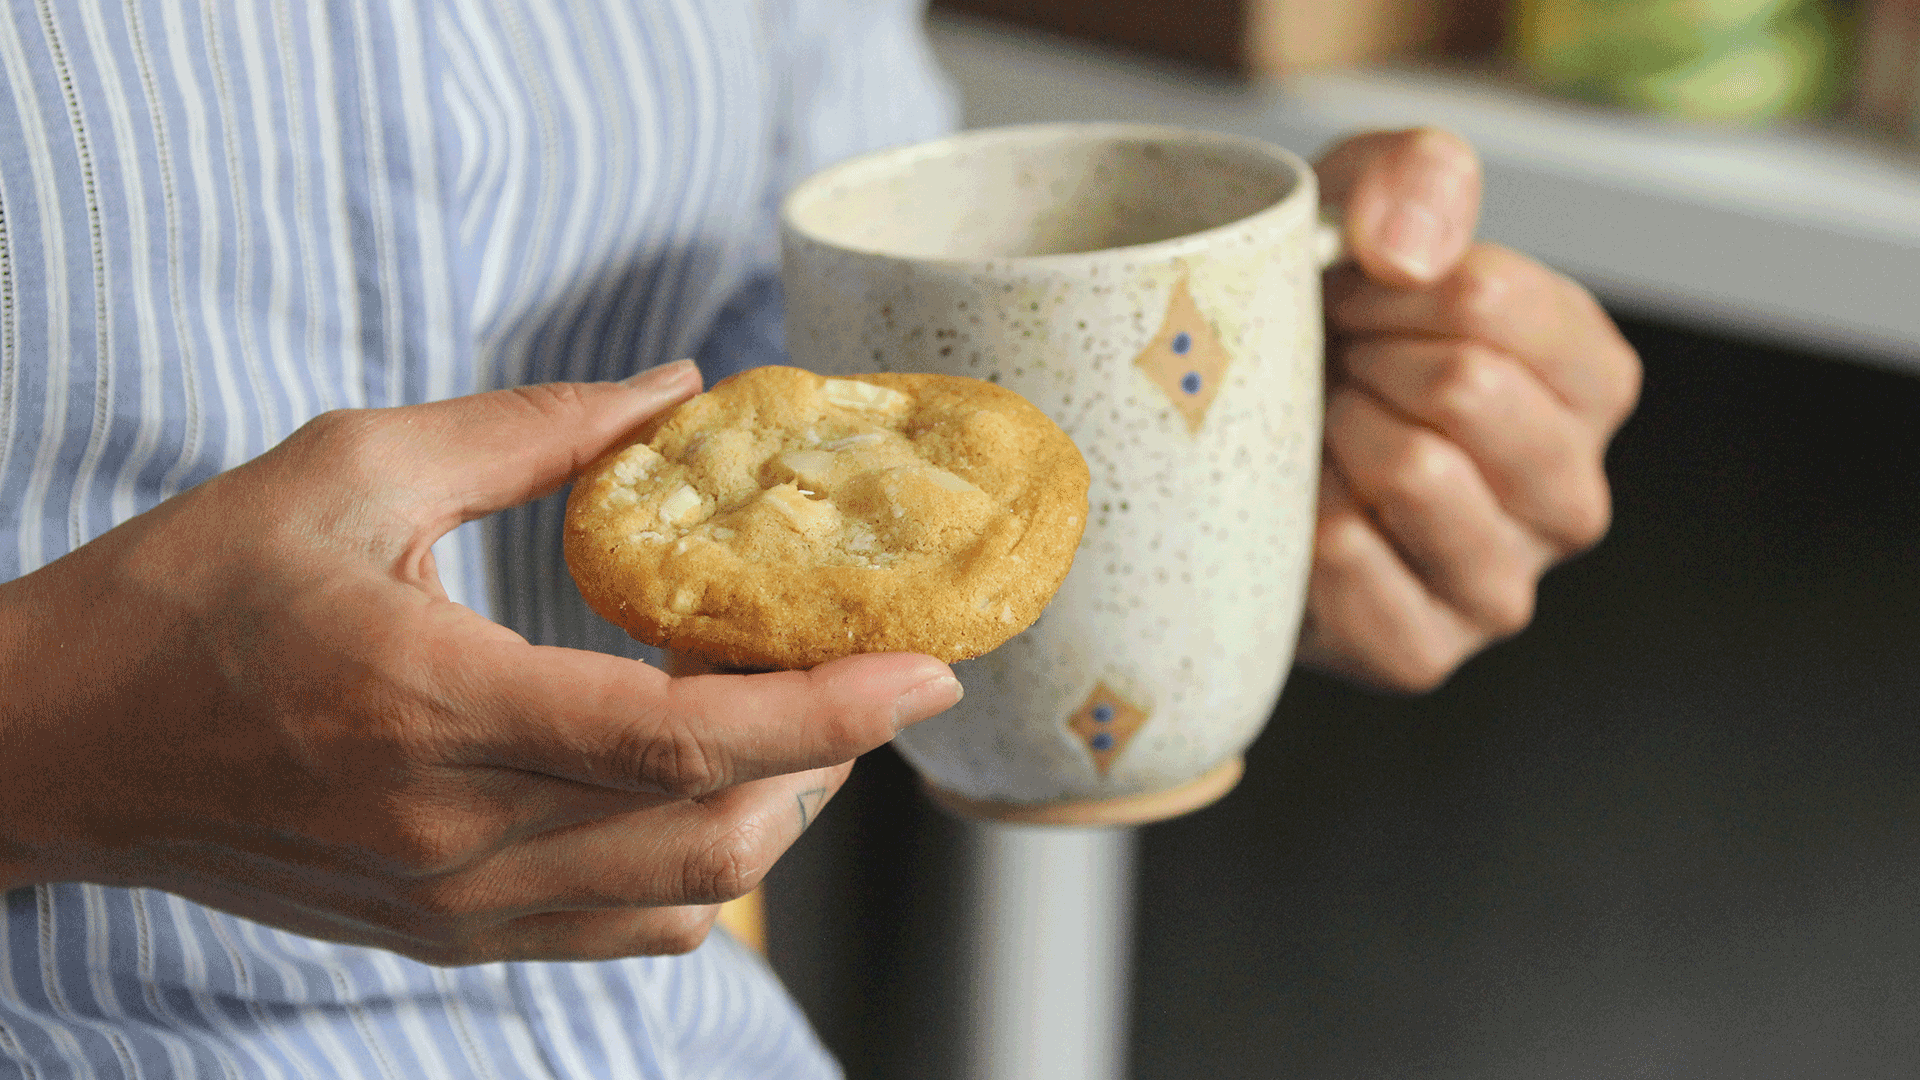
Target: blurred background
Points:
(1673, 830)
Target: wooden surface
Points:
(1263, 37)
(746, 920)
(1210, 33)
(1195, 794)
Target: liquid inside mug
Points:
(1156, 291)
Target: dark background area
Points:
(1672, 830)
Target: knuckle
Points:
(1421, 668)
(552, 400)
(1615, 373)
(1481, 289)
(846, 732)
(1348, 411)
(336, 424)
(426, 845)
(731, 867)
(679, 931)
(674, 760)
(1507, 607)
(1624, 390)
(393, 740)
(1587, 518)
(1465, 385)
(1341, 545)
(356, 441)
(1421, 470)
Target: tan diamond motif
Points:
(1105, 723)
(1186, 359)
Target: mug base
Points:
(1202, 791)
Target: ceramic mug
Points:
(1156, 291)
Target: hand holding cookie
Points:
(1471, 396)
(258, 696)
(784, 519)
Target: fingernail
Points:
(930, 698)
(1410, 238)
(662, 376)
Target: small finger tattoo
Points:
(810, 801)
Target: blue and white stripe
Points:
(221, 217)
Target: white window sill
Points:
(1802, 235)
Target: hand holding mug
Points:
(1156, 291)
(1472, 393)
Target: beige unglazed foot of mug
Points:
(1202, 791)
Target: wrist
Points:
(30, 732)
(16, 867)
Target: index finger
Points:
(1505, 300)
(622, 724)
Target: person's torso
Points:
(220, 218)
(224, 218)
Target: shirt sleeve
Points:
(857, 75)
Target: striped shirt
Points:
(221, 217)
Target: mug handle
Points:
(1329, 245)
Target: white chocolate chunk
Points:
(635, 463)
(647, 536)
(948, 480)
(854, 394)
(621, 496)
(685, 601)
(721, 532)
(865, 438)
(812, 468)
(681, 505)
(811, 517)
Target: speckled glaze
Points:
(1157, 292)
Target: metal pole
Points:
(1049, 961)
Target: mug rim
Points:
(1304, 188)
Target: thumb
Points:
(1410, 201)
(487, 452)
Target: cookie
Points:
(783, 519)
